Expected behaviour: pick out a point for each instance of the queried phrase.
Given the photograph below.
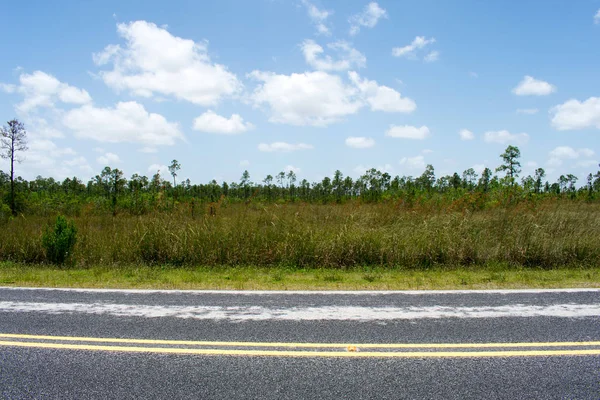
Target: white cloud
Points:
(361, 168)
(527, 111)
(108, 159)
(566, 152)
(586, 163)
(360, 142)
(597, 17)
(127, 122)
(574, 114)
(432, 56)
(154, 61)
(426, 151)
(8, 87)
(214, 123)
(48, 147)
(504, 137)
(557, 156)
(283, 147)
(309, 98)
(466, 134)
(381, 98)
(478, 168)
(244, 163)
(44, 157)
(408, 132)
(318, 17)
(530, 86)
(162, 169)
(409, 51)
(531, 164)
(368, 18)
(148, 150)
(289, 168)
(40, 89)
(348, 58)
(473, 74)
(80, 163)
(414, 163)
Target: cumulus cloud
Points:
(409, 51)
(527, 111)
(408, 132)
(126, 122)
(574, 114)
(360, 142)
(557, 156)
(283, 147)
(530, 86)
(432, 56)
(108, 159)
(381, 98)
(42, 90)
(319, 98)
(318, 17)
(361, 169)
(44, 157)
(80, 163)
(291, 168)
(413, 163)
(466, 134)
(504, 137)
(309, 98)
(161, 169)
(154, 61)
(214, 123)
(368, 18)
(348, 57)
(8, 87)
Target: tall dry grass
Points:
(544, 235)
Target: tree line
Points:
(139, 194)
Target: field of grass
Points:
(535, 235)
(255, 278)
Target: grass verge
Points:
(495, 276)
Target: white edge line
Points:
(306, 292)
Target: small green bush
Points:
(5, 213)
(59, 240)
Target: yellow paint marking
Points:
(301, 345)
(279, 353)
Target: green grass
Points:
(494, 276)
(530, 234)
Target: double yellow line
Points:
(272, 349)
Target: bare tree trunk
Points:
(12, 180)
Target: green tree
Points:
(245, 183)
(173, 168)
(13, 139)
(484, 181)
(427, 178)
(539, 175)
(511, 165)
(469, 178)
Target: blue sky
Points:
(313, 86)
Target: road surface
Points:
(106, 344)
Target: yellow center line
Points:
(301, 345)
(288, 353)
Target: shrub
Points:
(5, 213)
(59, 240)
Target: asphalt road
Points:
(81, 344)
